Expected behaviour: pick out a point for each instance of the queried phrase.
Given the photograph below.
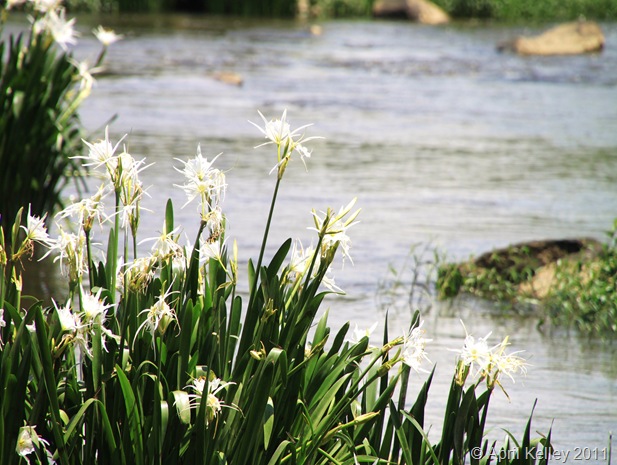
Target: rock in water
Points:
(566, 39)
(422, 11)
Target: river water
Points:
(443, 140)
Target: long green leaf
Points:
(49, 378)
(134, 423)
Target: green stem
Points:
(114, 250)
(264, 240)
(90, 263)
(158, 434)
(192, 275)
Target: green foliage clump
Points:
(497, 276)
(584, 294)
(531, 10)
(577, 289)
(342, 8)
(41, 89)
(39, 128)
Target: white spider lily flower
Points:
(413, 353)
(203, 182)
(86, 75)
(127, 214)
(510, 364)
(166, 245)
(300, 263)
(69, 321)
(213, 404)
(300, 260)
(158, 318)
(61, 29)
(45, 6)
(127, 168)
(88, 210)
(71, 253)
(94, 308)
(358, 334)
(279, 133)
(215, 221)
(131, 190)
(106, 36)
(489, 362)
(329, 283)
(102, 153)
(28, 441)
(333, 228)
(210, 250)
(93, 315)
(139, 274)
(36, 230)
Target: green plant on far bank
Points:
(41, 89)
(530, 10)
(583, 294)
(577, 291)
(499, 279)
(341, 8)
(157, 357)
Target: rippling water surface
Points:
(442, 139)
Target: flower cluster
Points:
(278, 132)
(487, 363)
(305, 260)
(121, 172)
(213, 402)
(411, 350)
(36, 231)
(208, 184)
(158, 317)
(332, 228)
(49, 19)
(80, 326)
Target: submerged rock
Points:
(566, 39)
(228, 77)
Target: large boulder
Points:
(422, 11)
(426, 12)
(566, 39)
